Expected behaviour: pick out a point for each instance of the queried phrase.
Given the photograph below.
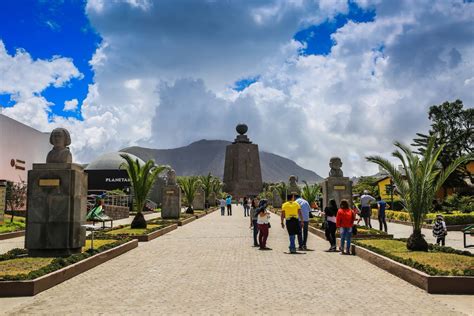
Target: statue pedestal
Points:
(57, 205)
(337, 188)
(171, 205)
(199, 199)
(276, 199)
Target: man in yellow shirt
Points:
(291, 211)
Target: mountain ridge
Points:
(204, 156)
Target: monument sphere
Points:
(241, 128)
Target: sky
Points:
(311, 79)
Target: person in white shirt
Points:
(222, 205)
(263, 221)
(365, 209)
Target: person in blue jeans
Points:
(381, 206)
(344, 221)
(253, 221)
(304, 221)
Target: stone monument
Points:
(336, 186)
(242, 171)
(57, 192)
(171, 197)
(276, 199)
(212, 199)
(293, 187)
(199, 199)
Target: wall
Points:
(20, 147)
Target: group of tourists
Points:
(226, 203)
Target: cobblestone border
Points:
(18, 233)
(154, 234)
(33, 287)
(431, 284)
(185, 221)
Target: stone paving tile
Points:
(208, 267)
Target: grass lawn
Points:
(450, 263)
(8, 227)
(26, 265)
(127, 230)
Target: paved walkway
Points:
(209, 267)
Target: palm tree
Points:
(423, 177)
(282, 189)
(310, 192)
(142, 178)
(207, 184)
(216, 186)
(189, 185)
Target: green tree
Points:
(207, 184)
(142, 178)
(453, 127)
(417, 189)
(189, 185)
(15, 196)
(366, 183)
(216, 186)
(310, 192)
(282, 189)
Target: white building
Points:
(20, 147)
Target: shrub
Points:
(455, 219)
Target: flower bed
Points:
(440, 270)
(155, 228)
(21, 275)
(12, 229)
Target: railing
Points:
(109, 199)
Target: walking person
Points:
(304, 221)
(330, 213)
(246, 206)
(263, 221)
(439, 230)
(366, 211)
(228, 202)
(344, 221)
(381, 206)
(253, 220)
(222, 205)
(290, 212)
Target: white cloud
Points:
(71, 105)
(164, 82)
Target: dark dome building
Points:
(105, 172)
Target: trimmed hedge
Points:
(56, 264)
(450, 219)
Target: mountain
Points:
(204, 156)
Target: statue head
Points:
(293, 180)
(60, 138)
(335, 163)
(171, 177)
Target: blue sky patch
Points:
(48, 28)
(244, 83)
(318, 37)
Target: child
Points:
(439, 230)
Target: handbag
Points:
(269, 225)
(354, 230)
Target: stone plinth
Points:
(171, 201)
(276, 199)
(199, 199)
(56, 209)
(337, 188)
(212, 199)
(156, 192)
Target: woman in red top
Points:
(344, 221)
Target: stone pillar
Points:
(336, 186)
(171, 197)
(293, 187)
(242, 171)
(212, 199)
(199, 199)
(56, 209)
(3, 200)
(276, 199)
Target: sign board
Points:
(49, 182)
(3, 201)
(169, 192)
(339, 187)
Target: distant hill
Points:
(204, 156)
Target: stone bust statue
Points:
(171, 177)
(335, 163)
(60, 153)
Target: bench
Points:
(96, 215)
(469, 230)
(103, 221)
